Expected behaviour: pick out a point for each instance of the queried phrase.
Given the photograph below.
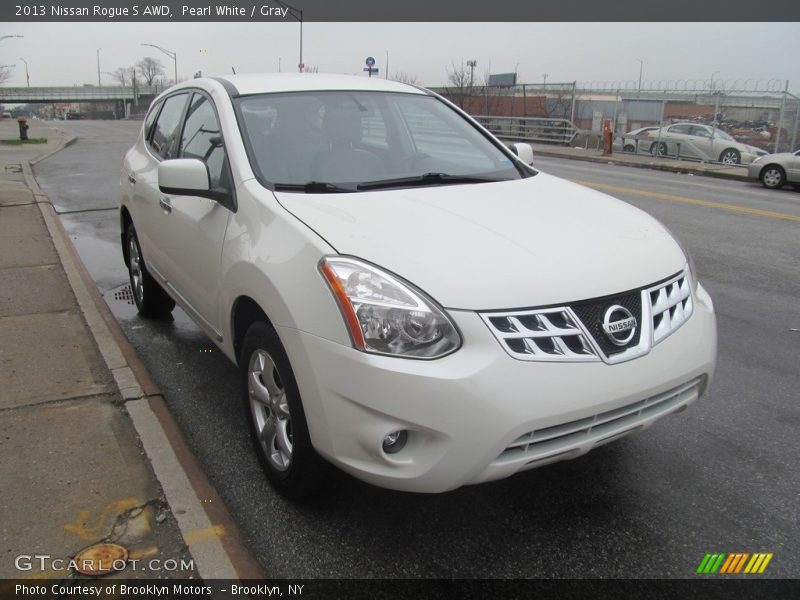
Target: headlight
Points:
(385, 315)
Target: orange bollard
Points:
(608, 137)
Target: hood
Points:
(523, 243)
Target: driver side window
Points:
(202, 139)
(164, 141)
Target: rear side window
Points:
(682, 129)
(164, 141)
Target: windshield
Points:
(357, 137)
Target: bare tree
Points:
(122, 75)
(404, 77)
(459, 86)
(150, 68)
(5, 74)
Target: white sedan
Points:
(703, 142)
(776, 170)
(405, 297)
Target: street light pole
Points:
(5, 37)
(386, 74)
(170, 53)
(297, 15)
(27, 75)
(99, 83)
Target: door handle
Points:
(131, 178)
(165, 204)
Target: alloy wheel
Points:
(270, 410)
(135, 264)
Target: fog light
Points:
(395, 441)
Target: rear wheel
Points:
(150, 298)
(730, 156)
(628, 148)
(276, 416)
(773, 177)
(659, 149)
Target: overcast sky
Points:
(65, 54)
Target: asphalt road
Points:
(721, 476)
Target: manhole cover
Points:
(124, 294)
(101, 559)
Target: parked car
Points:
(406, 298)
(703, 142)
(628, 143)
(776, 170)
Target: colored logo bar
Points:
(731, 563)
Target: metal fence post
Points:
(572, 108)
(780, 117)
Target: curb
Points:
(609, 160)
(211, 535)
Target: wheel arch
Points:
(244, 312)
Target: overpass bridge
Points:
(85, 93)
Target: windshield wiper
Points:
(313, 187)
(426, 179)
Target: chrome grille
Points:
(603, 427)
(671, 305)
(574, 332)
(546, 334)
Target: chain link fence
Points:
(760, 113)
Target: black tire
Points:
(730, 156)
(773, 177)
(658, 149)
(150, 298)
(305, 473)
(628, 148)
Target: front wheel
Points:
(730, 156)
(773, 177)
(276, 417)
(150, 298)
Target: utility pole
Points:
(386, 75)
(99, 83)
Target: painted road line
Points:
(756, 212)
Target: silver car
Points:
(703, 142)
(775, 170)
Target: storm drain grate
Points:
(124, 294)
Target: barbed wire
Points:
(687, 85)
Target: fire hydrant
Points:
(23, 128)
(608, 137)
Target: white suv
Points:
(406, 298)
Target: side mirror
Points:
(524, 152)
(186, 177)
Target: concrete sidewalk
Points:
(78, 417)
(642, 161)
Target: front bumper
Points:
(479, 414)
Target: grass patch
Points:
(18, 142)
